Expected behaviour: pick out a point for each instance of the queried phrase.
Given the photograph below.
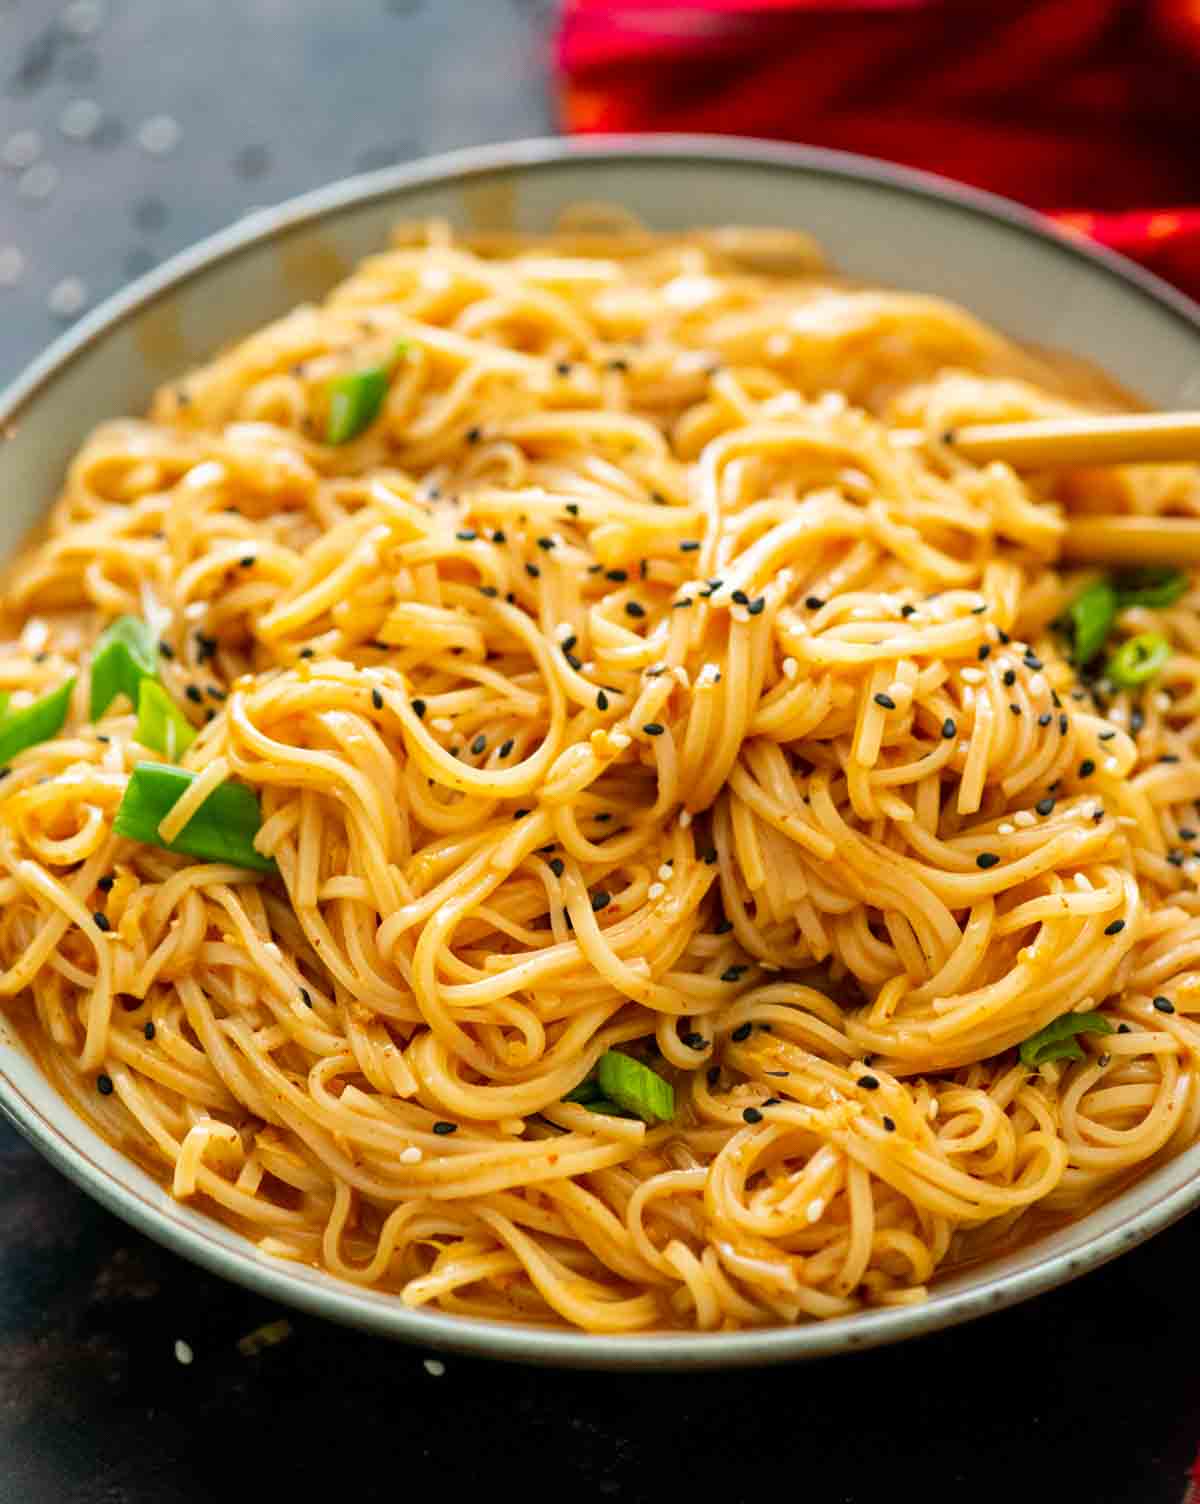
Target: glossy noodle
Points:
(609, 681)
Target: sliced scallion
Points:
(36, 723)
(1154, 586)
(1091, 616)
(355, 399)
(1057, 1040)
(161, 725)
(635, 1087)
(221, 830)
(123, 657)
(1138, 660)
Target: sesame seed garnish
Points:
(306, 997)
(888, 1125)
(101, 921)
(742, 1032)
(868, 1083)
(655, 891)
(695, 1041)
(1115, 927)
(617, 576)
(1063, 723)
(986, 859)
(751, 1115)
(813, 602)
(654, 728)
(907, 610)
(708, 857)
(478, 745)
(444, 1128)
(1164, 1005)
(885, 701)
(104, 1085)
(105, 883)
(985, 649)
(1045, 718)
(1086, 768)
(600, 901)
(148, 1029)
(633, 609)
(689, 546)
(466, 535)
(1010, 677)
(166, 649)
(949, 729)
(193, 694)
(418, 707)
(1045, 806)
(733, 973)
(756, 607)
(1016, 709)
(377, 698)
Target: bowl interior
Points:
(879, 225)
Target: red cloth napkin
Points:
(1088, 109)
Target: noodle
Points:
(618, 685)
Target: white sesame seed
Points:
(971, 675)
(1162, 700)
(685, 818)
(159, 135)
(1128, 821)
(1111, 765)
(411, 1156)
(38, 181)
(964, 747)
(1037, 686)
(21, 150)
(897, 690)
(564, 629)
(665, 872)
(655, 890)
(183, 1351)
(1005, 829)
(442, 723)
(815, 1210)
(80, 120)
(434, 1367)
(1024, 818)
(933, 1109)
(1082, 883)
(67, 297)
(769, 966)
(619, 740)
(790, 668)
(12, 264)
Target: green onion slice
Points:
(124, 655)
(628, 1083)
(1153, 586)
(1138, 660)
(161, 724)
(221, 830)
(36, 723)
(355, 399)
(1091, 616)
(1057, 1040)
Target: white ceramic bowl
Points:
(880, 224)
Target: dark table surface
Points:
(128, 129)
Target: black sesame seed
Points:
(986, 859)
(814, 602)
(545, 544)
(1010, 677)
(466, 535)
(1062, 723)
(885, 701)
(1176, 858)
(506, 747)
(519, 814)
(751, 1115)
(681, 605)
(568, 643)
(985, 650)
(576, 663)
(490, 591)
(1124, 1029)
(499, 536)
(377, 698)
(772, 1102)
(1168, 757)
(724, 928)
(444, 1128)
(617, 576)
(1016, 709)
(418, 707)
(1186, 833)
(1031, 660)
(689, 546)
(708, 857)
(1003, 636)
(741, 1032)
(478, 745)
(1045, 718)
(888, 1125)
(732, 974)
(979, 610)
(193, 694)
(714, 1074)
(105, 883)
(741, 598)
(695, 1041)
(1086, 768)
(868, 1083)
(1115, 927)
(166, 650)
(756, 607)
(1045, 806)
(533, 571)
(104, 1085)
(601, 700)
(1136, 721)
(572, 508)
(600, 901)
(247, 562)
(556, 865)
(653, 728)
(101, 921)
(1106, 736)
(1164, 1005)
(306, 997)
(148, 1030)
(563, 367)
(907, 610)
(949, 729)
(307, 653)
(633, 609)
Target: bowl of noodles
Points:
(549, 810)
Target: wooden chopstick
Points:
(1042, 443)
(1132, 540)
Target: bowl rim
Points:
(360, 1307)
